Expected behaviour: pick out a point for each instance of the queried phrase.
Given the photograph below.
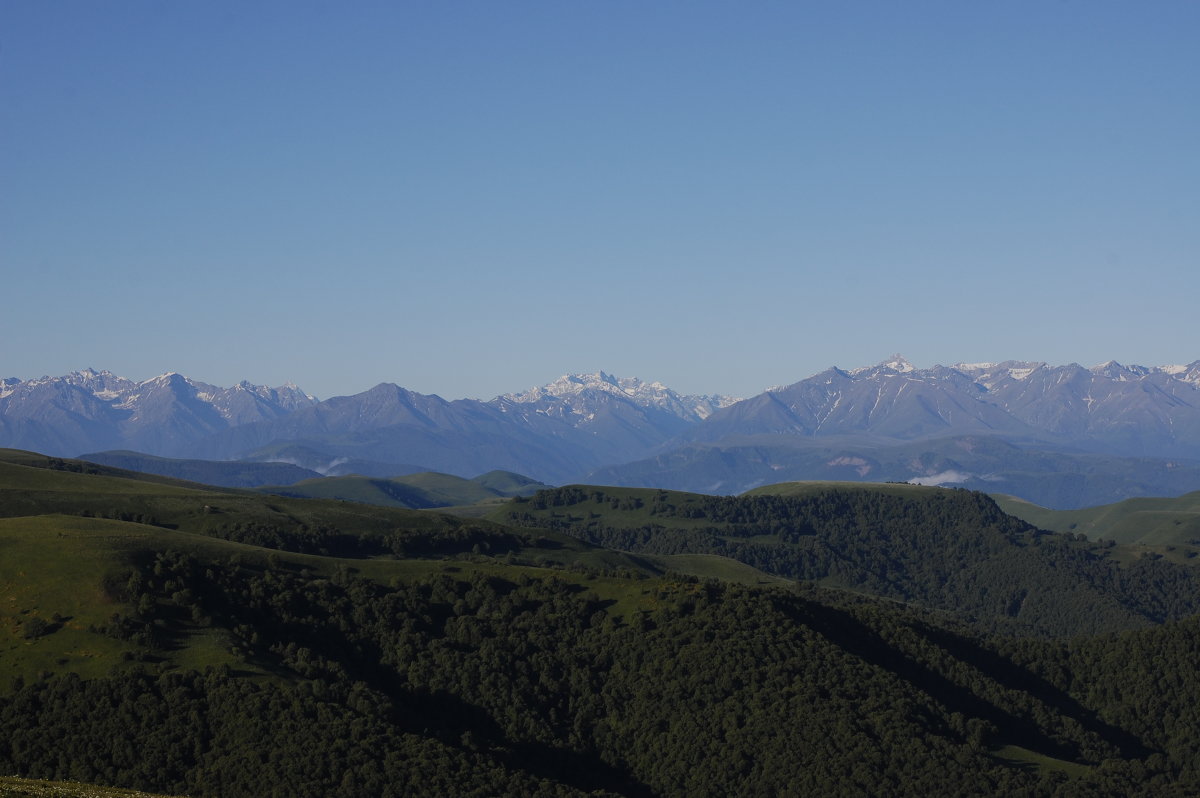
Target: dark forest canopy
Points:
(953, 550)
(470, 683)
(268, 653)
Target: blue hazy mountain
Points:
(1058, 435)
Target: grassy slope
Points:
(1147, 521)
(76, 552)
(477, 510)
(508, 483)
(55, 567)
(701, 565)
(364, 490)
(36, 788)
(17, 457)
(229, 473)
(33, 489)
(54, 563)
(417, 491)
(1056, 596)
(813, 488)
(426, 490)
(712, 566)
(28, 487)
(1016, 756)
(628, 516)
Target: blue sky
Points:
(469, 198)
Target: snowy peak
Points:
(1003, 377)
(1115, 371)
(1112, 407)
(989, 375)
(92, 410)
(291, 396)
(103, 384)
(583, 420)
(577, 384)
(581, 392)
(897, 362)
(1189, 373)
(569, 385)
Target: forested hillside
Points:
(464, 682)
(946, 549)
(439, 656)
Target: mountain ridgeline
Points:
(416, 491)
(1062, 437)
(191, 640)
(1059, 436)
(558, 431)
(228, 474)
(420, 490)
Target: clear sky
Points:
(470, 198)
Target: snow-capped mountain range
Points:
(603, 428)
(1126, 410)
(567, 427)
(90, 410)
(1064, 436)
(233, 404)
(579, 392)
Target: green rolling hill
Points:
(30, 788)
(33, 485)
(902, 490)
(177, 639)
(1151, 521)
(426, 490)
(230, 474)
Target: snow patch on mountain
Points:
(167, 393)
(897, 363)
(579, 393)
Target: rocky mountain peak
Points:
(896, 364)
(581, 391)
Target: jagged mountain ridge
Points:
(95, 410)
(1071, 436)
(625, 431)
(557, 431)
(1127, 410)
(578, 393)
(609, 416)
(1110, 408)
